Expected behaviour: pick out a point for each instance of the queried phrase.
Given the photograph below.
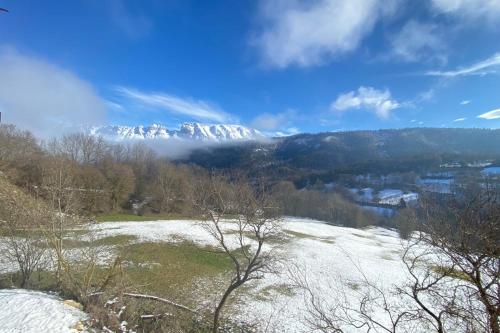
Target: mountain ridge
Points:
(187, 132)
(367, 151)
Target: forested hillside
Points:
(378, 152)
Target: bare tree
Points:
(79, 147)
(121, 181)
(467, 235)
(255, 222)
(59, 189)
(21, 220)
(453, 268)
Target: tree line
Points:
(111, 177)
(104, 177)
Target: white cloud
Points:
(271, 122)
(279, 124)
(471, 9)
(417, 41)
(459, 120)
(493, 114)
(306, 33)
(44, 98)
(487, 66)
(465, 102)
(196, 109)
(287, 132)
(378, 101)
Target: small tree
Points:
(256, 221)
(60, 191)
(21, 220)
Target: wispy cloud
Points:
(45, 98)
(490, 115)
(196, 109)
(134, 24)
(465, 102)
(114, 106)
(417, 41)
(308, 33)
(459, 120)
(488, 66)
(469, 9)
(378, 101)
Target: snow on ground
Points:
(331, 257)
(171, 231)
(33, 312)
(385, 196)
(323, 251)
(393, 197)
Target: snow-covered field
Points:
(331, 257)
(34, 312)
(385, 196)
(394, 197)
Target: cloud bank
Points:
(379, 102)
(307, 33)
(44, 98)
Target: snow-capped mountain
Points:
(188, 131)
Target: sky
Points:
(280, 66)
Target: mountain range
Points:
(369, 151)
(187, 132)
(355, 152)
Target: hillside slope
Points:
(358, 151)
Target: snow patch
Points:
(33, 312)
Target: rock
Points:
(79, 326)
(74, 304)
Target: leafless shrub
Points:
(25, 244)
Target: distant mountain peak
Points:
(187, 131)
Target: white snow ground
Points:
(330, 256)
(333, 259)
(34, 312)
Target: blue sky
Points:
(279, 66)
